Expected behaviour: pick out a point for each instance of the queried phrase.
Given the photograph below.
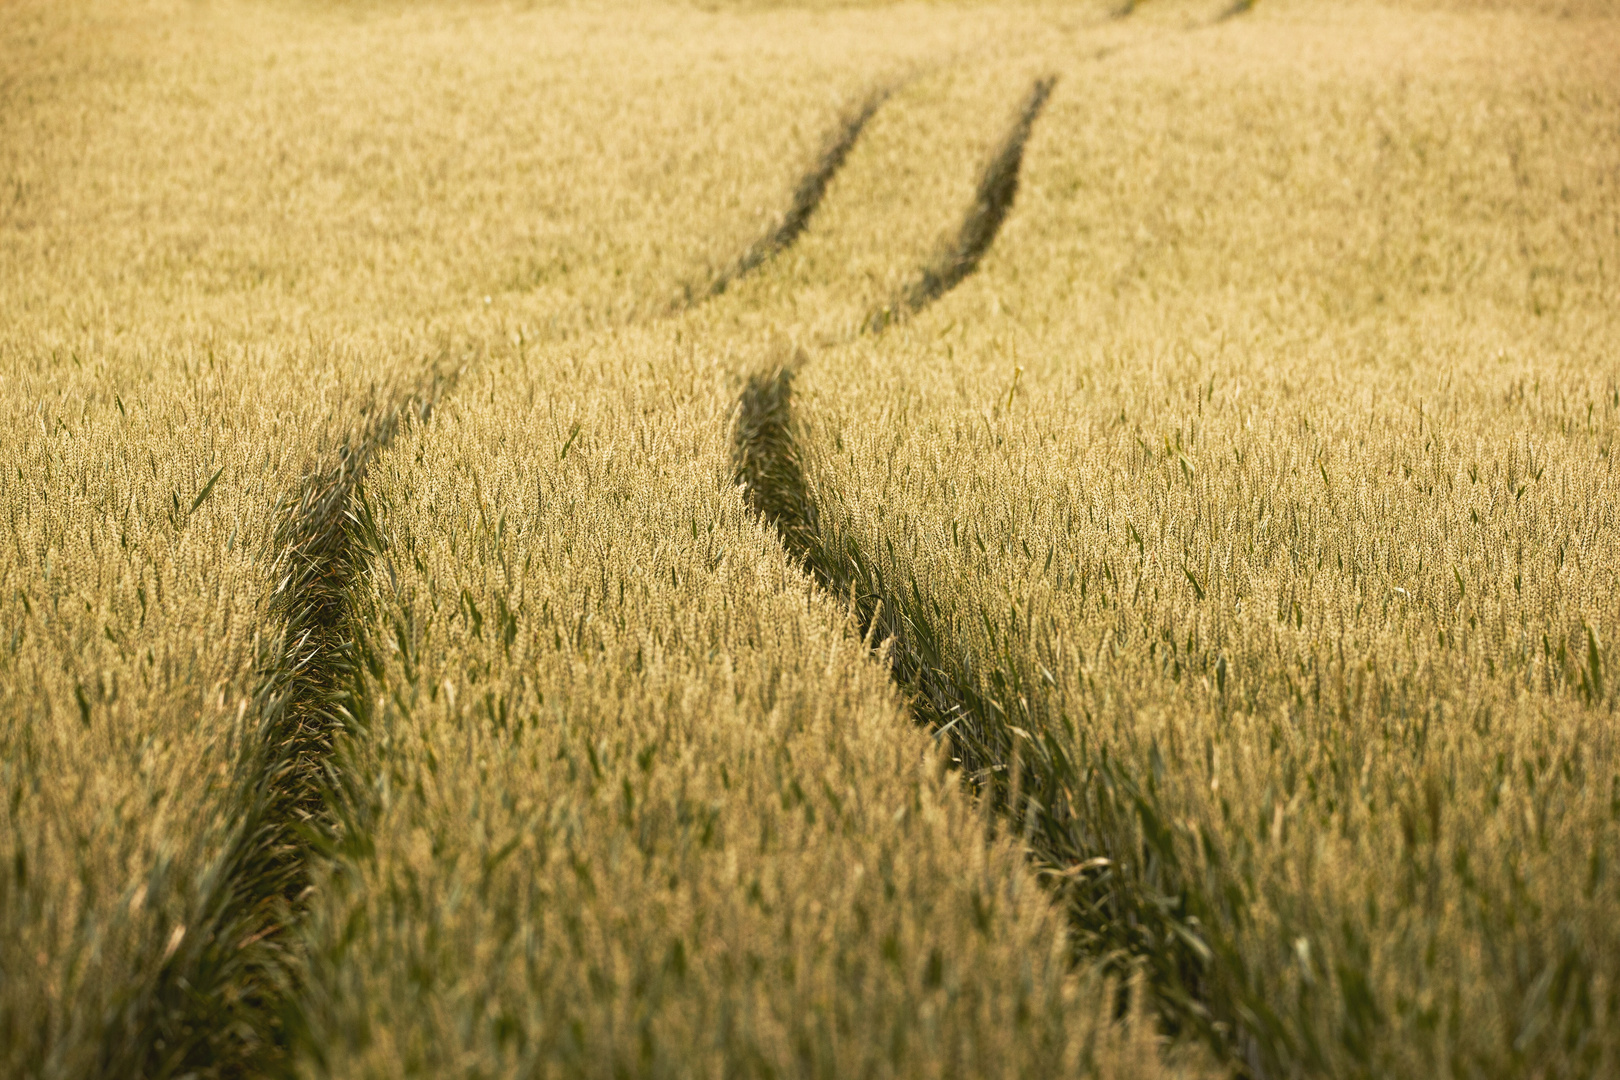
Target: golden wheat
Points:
(1257, 499)
(235, 238)
(630, 797)
(1242, 516)
(627, 792)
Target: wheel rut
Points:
(992, 201)
(807, 194)
(1067, 803)
(217, 1005)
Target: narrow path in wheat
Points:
(997, 188)
(769, 469)
(939, 685)
(190, 1017)
(807, 194)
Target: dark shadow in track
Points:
(769, 472)
(998, 187)
(807, 196)
(1069, 809)
(217, 1005)
(1069, 805)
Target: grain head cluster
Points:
(766, 540)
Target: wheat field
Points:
(809, 540)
